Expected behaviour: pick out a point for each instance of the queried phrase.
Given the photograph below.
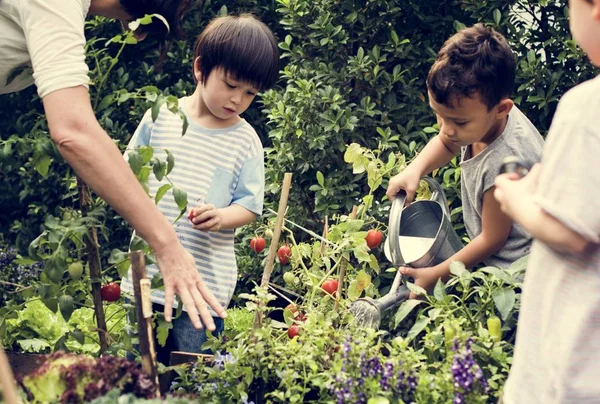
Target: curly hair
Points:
(474, 60)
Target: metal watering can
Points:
(423, 220)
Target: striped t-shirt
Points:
(557, 353)
(217, 166)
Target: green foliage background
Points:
(353, 72)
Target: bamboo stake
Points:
(270, 262)
(7, 380)
(343, 266)
(143, 306)
(93, 255)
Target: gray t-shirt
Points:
(519, 138)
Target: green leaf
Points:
(419, 326)
(320, 178)
(161, 192)
(180, 197)
(363, 280)
(136, 162)
(65, 303)
(457, 268)
(146, 152)
(170, 162)
(160, 169)
(497, 16)
(405, 310)
(504, 299)
(156, 107)
(42, 164)
(440, 291)
(417, 290)
(162, 330)
(378, 400)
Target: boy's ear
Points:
(197, 71)
(596, 10)
(504, 107)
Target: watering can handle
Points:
(394, 229)
(437, 194)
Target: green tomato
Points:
(269, 233)
(75, 270)
(288, 278)
(494, 326)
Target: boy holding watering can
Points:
(469, 86)
(557, 352)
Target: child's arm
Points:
(495, 229)
(437, 153)
(209, 218)
(516, 199)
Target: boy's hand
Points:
(206, 218)
(515, 194)
(423, 277)
(408, 181)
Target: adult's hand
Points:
(96, 159)
(182, 278)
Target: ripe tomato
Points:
(284, 253)
(258, 244)
(293, 331)
(374, 238)
(330, 286)
(111, 292)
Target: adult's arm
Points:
(96, 159)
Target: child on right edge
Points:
(557, 351)
(469, 88)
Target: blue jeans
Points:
(183, 336)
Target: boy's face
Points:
(225, 97)
(584, 20)
(469, 120)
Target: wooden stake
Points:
(7, 380)
(93, 255)
(143, 306)
(343, 266)
(270, 262)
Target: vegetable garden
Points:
(349, 112)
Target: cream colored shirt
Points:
(557, 354)
(42, 42)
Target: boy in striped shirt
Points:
(557, 352)
(219, 161)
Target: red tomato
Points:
(293, 331)
(191, 214)
(374, 238)
(258, 244)
(284, 253)
(330, 286)
(111, 292)
(298, 315)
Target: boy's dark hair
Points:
(172, 10)
(243, 46)
(476, 59)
